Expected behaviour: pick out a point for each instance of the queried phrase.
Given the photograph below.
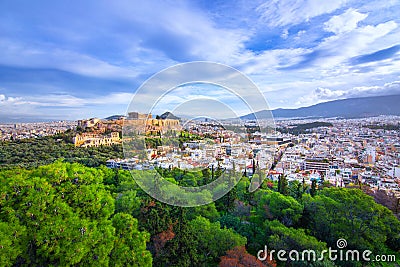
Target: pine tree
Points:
(284, 185)
(279, 183)
(313, 190)
(181, 250)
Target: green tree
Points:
(65, 210)
(282, 184)
(127, 202)
(351, 214)
(58, 215)
(280, 237)
(181, 250)
(211, 241)
(154, 217)
(12, 237)
(273, 205)
(287, 238)
(208, 211)
(130, 244)
(313, 189)
(295, 189)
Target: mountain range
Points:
(344, 108)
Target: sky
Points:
(71, 60)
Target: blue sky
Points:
(71, 60)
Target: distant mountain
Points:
(169, 115)
(114, 117)
(345, 108)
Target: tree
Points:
(249, 229)
(227, 202)
(242, 191)
(279, 182)
(295, 189)
(351, 214)
(313, 190)
(31, 153)
(272, 205)
(127, 202)
(285, 238)
(282, 184)
(238, 256)
(208, 211)
(65, 210)
(12, 237)
(59, 215)
(130, 244)
(211, 241)
(160, 240)
(181, 250)
(154, 216)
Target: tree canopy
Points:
(66, 214)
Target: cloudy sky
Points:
(70, 60)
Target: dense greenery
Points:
(30, 153)
(170, 138)
(68, 214)
(304, 127)
(388, 127)
(62, 214)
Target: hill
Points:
(346, 108)
(169, 115)
(114, 117)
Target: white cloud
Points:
(270, 60)
(165, 35)
(65, 100)
(285, 34)
(6, 101)
(290, 12)
(345, 22)
(126, 41)
(337, 49)
(300, 34)
(59, 105)
(120, 98)
(325, 94)
(18, 54)
(178, 26)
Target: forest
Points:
(303, 128)
(68, 214)
(34, 152)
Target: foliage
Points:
(238, 256)
(283, 185)
(211, 241)
(66, 214)
(130, 244)
(59, 214)
(12, 244)
(302, 128)
(181, 249)
(287, 238)
(31, 153)
(387, 127)
(351, 214)
(273, 205)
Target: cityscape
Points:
(236, 133)
(342, 152)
